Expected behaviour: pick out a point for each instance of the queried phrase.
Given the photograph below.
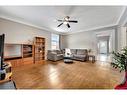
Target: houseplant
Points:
(120, 61)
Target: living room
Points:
(53, 47)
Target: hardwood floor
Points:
(58, 75)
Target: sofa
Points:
(76, 54)
(55, 55)
(79, 54)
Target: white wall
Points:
(20, 33)
(12, 50)
(122, 37)
(112, 39)
(63, 40)
(87, 40)
(83, 40)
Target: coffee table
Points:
(68, 59)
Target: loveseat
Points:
(55, 55)
(79, 54)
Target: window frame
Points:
(55, 41)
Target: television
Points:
(2, 51)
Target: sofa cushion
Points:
(79, 56)
(55, 51)
(59, 51)
(81, 51)
(73, 51)
(59, 54)
(51, 51)
(63, 51)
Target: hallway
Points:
(104, 57)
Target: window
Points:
(55, 41)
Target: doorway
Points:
(103, 47)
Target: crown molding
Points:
(101, 28)
(123, 18)
(122, 13)
(28, 24)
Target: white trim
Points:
(123, 19)
(122, 13)
(28, 24)
(92, 29)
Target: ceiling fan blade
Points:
(59, 25)
(60, 20)
(74, 21)
(68, 25)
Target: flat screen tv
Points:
(2, 51)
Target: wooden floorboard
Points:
(58, 75)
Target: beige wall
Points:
(122, 37)
(20, 33)
(87, 40)
(112, 41)
(83, 40)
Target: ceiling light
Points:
(65, 22)
(66, 19)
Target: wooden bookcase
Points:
(27, 53)
(27, 50)
(39, 50)
(21, 54)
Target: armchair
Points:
(55, 55)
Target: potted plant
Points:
(120, 61)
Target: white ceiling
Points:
(44, 17)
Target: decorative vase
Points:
(123, 85)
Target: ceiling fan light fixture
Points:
(67, 18)
(65, 22)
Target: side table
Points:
(92, 57)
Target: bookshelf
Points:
(21, 54)
(27, 50)
(39, 50)
(27, 53)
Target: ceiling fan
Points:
(66, 21)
